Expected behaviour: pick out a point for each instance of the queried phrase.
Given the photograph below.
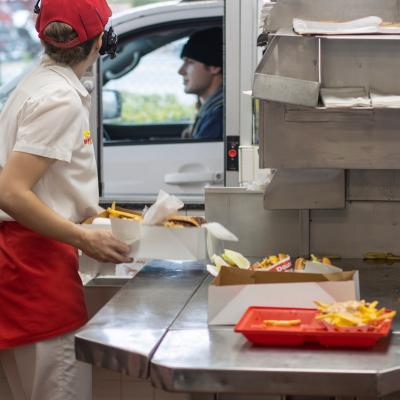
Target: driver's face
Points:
(197, 76)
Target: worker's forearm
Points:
(27, 209)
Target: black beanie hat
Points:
(205, 46)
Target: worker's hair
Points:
(61, 32)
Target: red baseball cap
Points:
(87, 17)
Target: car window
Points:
(152, 93)
(144, 99)
(145, 111)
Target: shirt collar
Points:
(217, 93)
(215, 98)
(66, 72)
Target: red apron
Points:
(41, 294)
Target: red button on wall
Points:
(232, 153)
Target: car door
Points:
(145, 111)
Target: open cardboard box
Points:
(164, 243)
(234, 290)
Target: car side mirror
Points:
(112, 104)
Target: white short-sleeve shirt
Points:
(48, 115)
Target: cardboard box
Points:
(234, 290)
(284, 265)
(171, 243)
(159, 242)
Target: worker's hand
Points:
(103, 246)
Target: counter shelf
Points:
(195, 357)
(165, 333)
(286, 32)
(123, 335)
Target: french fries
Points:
(230, 258)
(271, 260)
(353, 314)
(174, 221)
(268, 262)
(300, 262)
(122, 214)
(282, 322)
(117, 212)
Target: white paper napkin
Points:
(382, 100)
(345, 97)
(165, 206)
(356, 26)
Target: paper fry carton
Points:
(234, 290)
(284, 265)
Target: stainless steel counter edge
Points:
(157, 324)
(258, 377)
(195, 357)
(124, 334)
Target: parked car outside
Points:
(142, 148)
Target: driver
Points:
(202, 75)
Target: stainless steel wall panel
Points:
(260, 232)
(359, 228)
(369, 143)
(278, 79)
(305, 189)
(286, 90)
(312, 115)
(363, 142)
(304, 247)
(279, 58)
(373, 185)
(371, 64)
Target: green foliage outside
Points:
(154, 109)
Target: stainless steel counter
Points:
(142, 330)
(220, 361)
(123, 335)
(195, 357)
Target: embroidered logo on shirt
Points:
(87, 139)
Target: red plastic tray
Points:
(309, 331)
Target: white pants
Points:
(47, 370)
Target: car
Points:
(145, 108)
(142, 108)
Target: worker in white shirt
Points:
(48, 185)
